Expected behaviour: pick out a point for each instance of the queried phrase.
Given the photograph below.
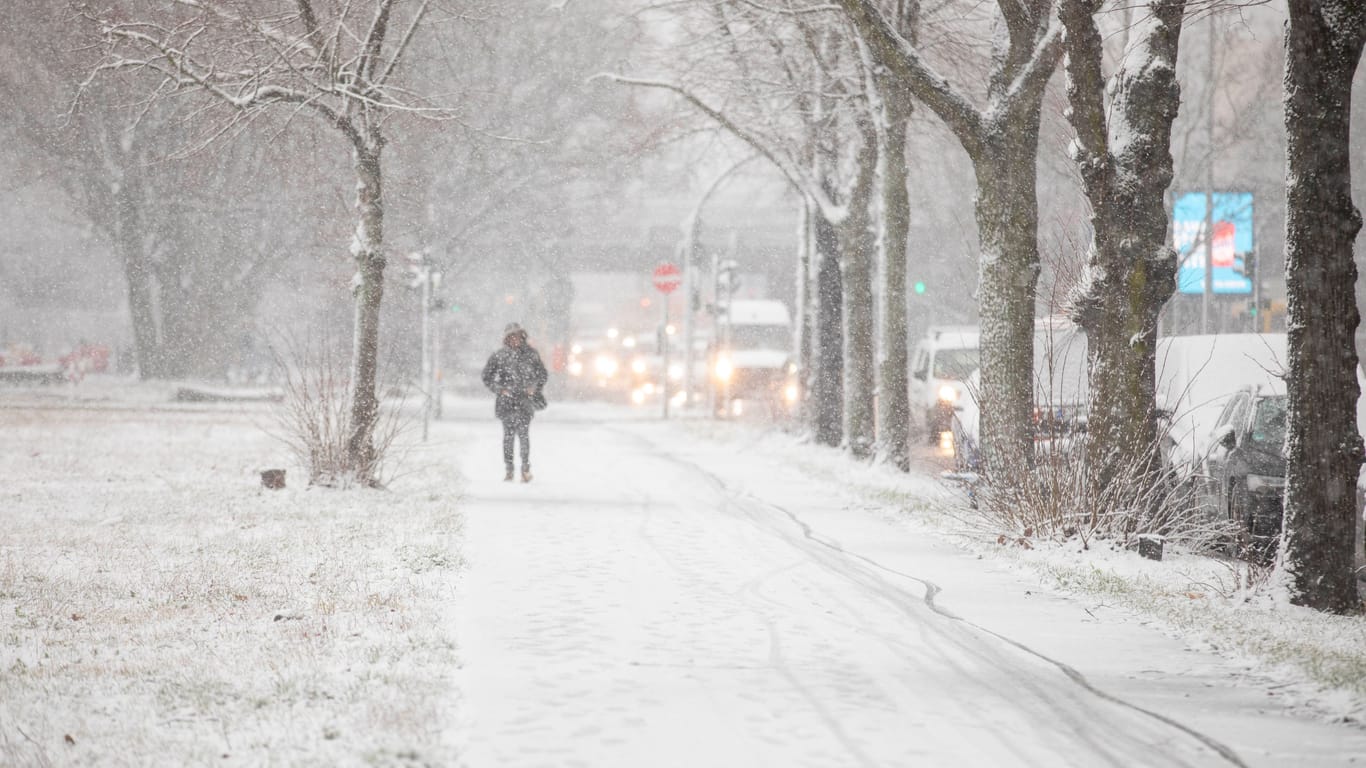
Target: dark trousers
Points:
(517, 428)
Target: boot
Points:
(526, 474)
(508, 477)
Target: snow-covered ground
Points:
(662, 594)
(158, 607)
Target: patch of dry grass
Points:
(158, 607)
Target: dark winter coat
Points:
(518, 372)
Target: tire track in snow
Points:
(931, 592)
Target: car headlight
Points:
(638, 366)
(1265, 483)
(791, 393)
(948, 393)
(724, 369)
(605, 366)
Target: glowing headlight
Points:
(790, 393)
(724, 369)
(675, 372)
(638, 366)
(948, 393)
(1260, 483)
(605, 366)
(575, 368)
(637, 397)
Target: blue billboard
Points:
(1231, 242)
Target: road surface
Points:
(657, 599)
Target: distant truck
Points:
(752, 358)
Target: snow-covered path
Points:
(656, 600)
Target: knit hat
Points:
(514, 328)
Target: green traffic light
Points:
(919, 286)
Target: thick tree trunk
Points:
(827, 373)
(1007, 223)
(137, 269)
(1323, 47)
(858, 246)
(1126, 166)
(367, 248)
(894, 417)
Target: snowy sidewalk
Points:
(656, 600)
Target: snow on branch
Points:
(247, 61)
(794, 171)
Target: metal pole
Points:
(715, 335)
(426, 273)
(688, 325)
(664, 351)
(1207, 297)
(436, 369)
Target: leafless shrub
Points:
(314, 420)
(1063, 495)
(1060, 497)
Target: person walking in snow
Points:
(516, 375)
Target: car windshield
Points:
(1268, 425)
(955, 364)
(759, 337)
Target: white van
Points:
(1196, 375)
(1061, 390)
(940, 367)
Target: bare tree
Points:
(1001, 138)
(340, 62)
(791, 89)
(1124, 156)
(894, 419)
(187, 238)
(1324, 40)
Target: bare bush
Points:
(1061, 497)
(315, 417)
(1063, 493)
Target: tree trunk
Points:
(1007, 222)
(894, 418)
(137, 270)
(367, 248)
(1126, 166)
(827, 383)
(858, 245)
(1324, 451)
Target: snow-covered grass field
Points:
(159, 607)
(1318, 659)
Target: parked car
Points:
(1060, 393)
(1196, 376)
(1244, 471)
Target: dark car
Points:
(1246, 467)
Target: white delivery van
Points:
(940, 367)
(1196, 375)
(752, 361)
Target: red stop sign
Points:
(667, 277)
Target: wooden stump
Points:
(273, 479)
